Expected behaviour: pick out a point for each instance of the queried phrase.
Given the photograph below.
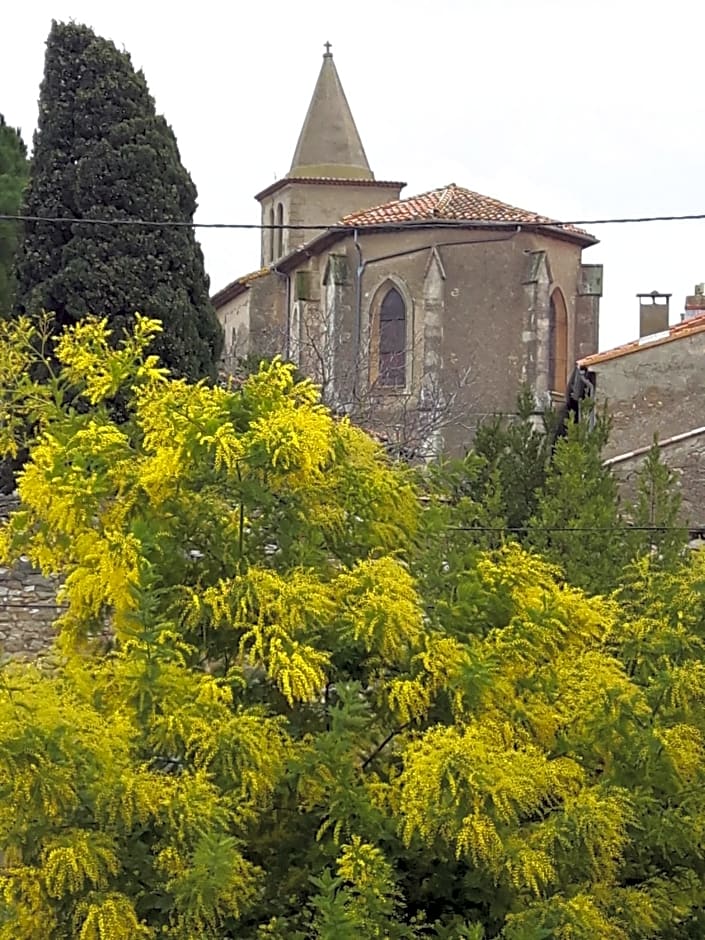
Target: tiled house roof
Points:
(236, 287)
(455, 204)
(679, 331)
(447, 204)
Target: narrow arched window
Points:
(271, 240)
(280, 230)
(391, 368)
(557, 343)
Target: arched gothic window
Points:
(391, 356)
(271, 239)
(280, 231)
(557, 343)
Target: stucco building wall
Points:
(656, 390)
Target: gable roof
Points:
(679, 331)
(238, 286)
(454, 203)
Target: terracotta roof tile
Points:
(679, 331)
(236, 287)
(253, 276)
(454, 204)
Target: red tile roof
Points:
(455, 204)
(236, 287)
(679, 331)
(448, 204)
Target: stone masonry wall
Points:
(28, 610)
(687, 459)
(28, 605)
(657, 389)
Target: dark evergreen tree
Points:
(656, 514)
(102, 152)
(13, 176)
(578, 523)
(515, 452)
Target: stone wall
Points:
(28, 610)
(655, 389)
(685, 455)
(28, 606)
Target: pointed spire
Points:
(329, 144)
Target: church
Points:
(419, 316)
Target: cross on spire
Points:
(326, 46)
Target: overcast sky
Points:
(575, 110)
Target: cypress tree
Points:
(13, 175)
(102, 152)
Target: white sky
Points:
(575, 110)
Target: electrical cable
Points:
(350, 227)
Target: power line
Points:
(340, 227)
(569, 528)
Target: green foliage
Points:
(515, 453)
(102, 152)
(13, 176)
(578, 522)
(657, 511)
(361, 900)
(102, 842)
(479, 502)
(286, 737)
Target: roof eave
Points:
(328, 181)
(584, 239)
(340, 231)
(309, 248)
(228, 293)
(610, 355)
(556, 231)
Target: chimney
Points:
(695, 304)
(653, 313)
